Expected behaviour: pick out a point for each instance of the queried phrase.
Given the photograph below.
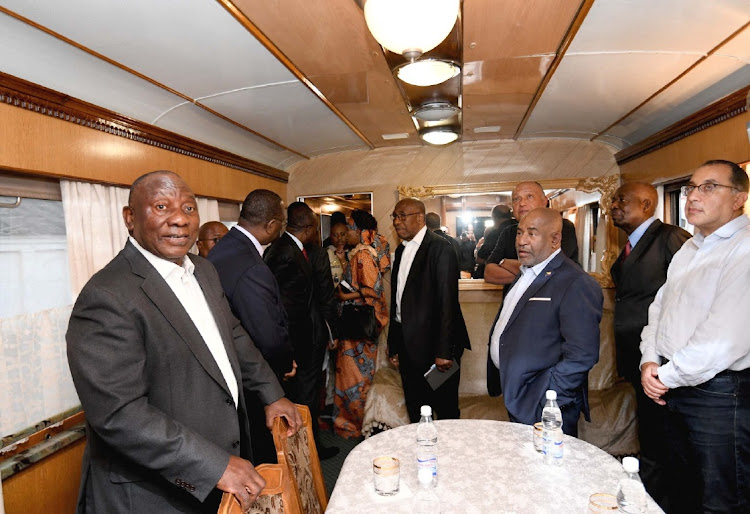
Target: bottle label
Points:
(429, 462)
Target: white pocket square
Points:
(540, 299)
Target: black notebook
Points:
(436, 378)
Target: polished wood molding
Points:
(143, 77)
(27, 95)
(719, 111)
(674, 81)
(567, 40)
(271, 47)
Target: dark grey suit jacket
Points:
(637, 280)
(551, 341)
(161, 422)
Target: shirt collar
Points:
(252, 238)
(163, 266)
(637, 234)
(297, 241)
(418, 238)
(538, 268)
(723, 232)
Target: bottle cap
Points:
(630, 464)
(551, 394)
(424, 475)
(426, 410)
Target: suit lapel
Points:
(643, 243)
(420, 258)
(159, 292)
(547, 273)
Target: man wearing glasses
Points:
(427, 326)
(254, 296)
(210, 234)
(696, 349)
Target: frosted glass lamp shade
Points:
(410, 27)
(439, 135)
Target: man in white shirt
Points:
(696, 350)
(427, 327)
(160, 365)
(546, 334)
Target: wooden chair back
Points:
(300, 455)
(278, 497)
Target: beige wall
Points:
(382, 170)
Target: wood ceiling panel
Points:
(346, 64)
(507, 52)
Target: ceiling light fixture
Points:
(439, 135)
(410, 27)
(436, 111)
(427, 72)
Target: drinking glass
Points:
(386, 472)
(538, 439)
(602, 502)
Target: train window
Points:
(674, 205)
(33, 256)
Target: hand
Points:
(394, 360)
(652, 386)
(443, 364)
(292, 373)
(286, 409)
(333, 344)
(241, 479)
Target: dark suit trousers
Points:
(417, 392)
(305, 387)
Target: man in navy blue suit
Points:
(254, 296)
(546, 335)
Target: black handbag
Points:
(358, 322)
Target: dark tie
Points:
(304, 252)
(626, 251)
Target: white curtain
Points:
(34, 376)
(95, 229)
(584, 224)
(93, 226)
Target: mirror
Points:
(585, 202)
(325, 205)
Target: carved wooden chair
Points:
(300, 455)
(278, 497)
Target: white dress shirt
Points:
(697, 319)
(407, 258)
(637, 234)
(183, 283)
(297, 241)
(509, 305)
(255, 242)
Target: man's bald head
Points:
(539, 235)
(527, 196)
(210, 234)
(408, 218)
(432, 220)
(632, 204)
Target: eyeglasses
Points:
(401, 216)
(706, 188)
(214, 239)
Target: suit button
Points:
(230, 401)
(235, 444)
(178, 482)
(192, 488)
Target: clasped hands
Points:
(240, 477)
(441, 364)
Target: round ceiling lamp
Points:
(439, 135)
(410, 27)
(428, 72)
(435, 111)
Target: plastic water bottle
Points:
(426, 501)
(552, 433)
(427, 449)
(631, 495)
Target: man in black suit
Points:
(503, 265)
(290, 264)
(501, 219)
(254, 296)
(160, 363)
(638, 273)
(434, 223)
(427, 326)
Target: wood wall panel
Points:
(34, 143)
(49, 486)
(727, 140)
(383, 169)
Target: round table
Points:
(483, 466)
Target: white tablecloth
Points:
(483, 466)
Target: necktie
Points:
(304, 252)
(626, 252)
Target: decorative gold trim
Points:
(605, 185)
